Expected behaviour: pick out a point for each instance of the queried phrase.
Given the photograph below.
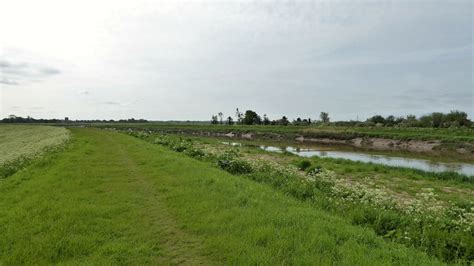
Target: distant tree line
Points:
(435, 120)
(28, 119)
(252, 118)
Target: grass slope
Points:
(110, 198)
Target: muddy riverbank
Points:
(465, 150)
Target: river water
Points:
(416, 163)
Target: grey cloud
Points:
(50, 71)
(111, 103)
(21, 72)
(8, 81)
(4, 64)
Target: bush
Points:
(228, 162)
(303, 165)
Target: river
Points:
(397, 161)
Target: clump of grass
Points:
(303, 165)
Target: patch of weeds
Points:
(229, 162)
(303, 165)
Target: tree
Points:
(437, 119)
(238, 114)
(266, 121)
(411, 121)
(220, 117)
(251, 118)
(457, 118)
(297, 122)
(324, 117)
(390, 120)
(376, 119)
(284, 121)
(214, 120)
(426, 121)
(230, 121)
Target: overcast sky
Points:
(164, 60)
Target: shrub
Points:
(303, 165)
(231, 164)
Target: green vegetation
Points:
(450, 135)
(414, 213)
(453, 119)
(111, 199)
(20, 144)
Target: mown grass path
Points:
(110, 198)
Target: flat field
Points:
(20, 144)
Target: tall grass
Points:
(20, 145)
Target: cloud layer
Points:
(21, 72)
(188, 60)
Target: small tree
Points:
(220, 118)
(230, 121)
(214, 120)
(457, 118)
(377, 119)
(238, 114)
(266, 121)
(284, 121)
(438, 119)
(390, 120)
(426, 121)
(324, 117)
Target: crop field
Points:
(106, 196)
(21, 144)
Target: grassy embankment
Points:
(432, 214)
(110, 198)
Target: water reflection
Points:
(425, 165)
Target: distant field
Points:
(343, 133)
(109, 198)
(21, 143)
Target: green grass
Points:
(112, 199)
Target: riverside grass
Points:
(109, 198)
(21, 144)
(441, 228)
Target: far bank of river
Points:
(389, 160)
